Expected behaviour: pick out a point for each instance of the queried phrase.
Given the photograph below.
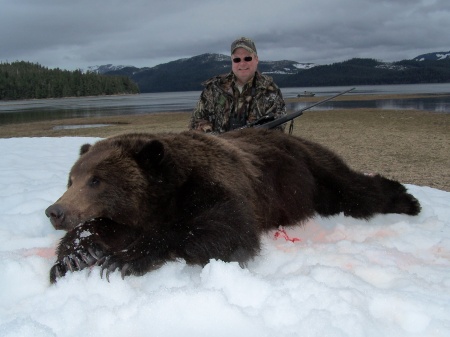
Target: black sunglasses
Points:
(246, 59)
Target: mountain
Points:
(433, 56)
(277, 67)
(187, 74)
(371, 72)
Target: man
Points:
(239, 98)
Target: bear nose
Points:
(56, 214)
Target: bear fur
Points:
(136, 201)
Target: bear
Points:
(136, 201)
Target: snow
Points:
(304, 65)
(345, 277)
(391, 66)
(442, 56)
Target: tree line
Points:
(25, 80)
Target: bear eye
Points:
(94, 181)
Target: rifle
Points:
(269, 122)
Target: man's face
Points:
(244, 70)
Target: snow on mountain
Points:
(105, 68)
(433, 56)
(391, 66)
(443, 56)
(304, 65)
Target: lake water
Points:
(50, 109)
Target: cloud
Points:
(77, 34)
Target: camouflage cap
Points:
(245, 43)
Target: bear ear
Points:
(84, 148)
(152, 153)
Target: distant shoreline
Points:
(65, 97)
(371, 97)
(346, 97)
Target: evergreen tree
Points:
(25, 80)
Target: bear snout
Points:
(56, 215)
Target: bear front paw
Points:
(75, 262)
(126, 267)
(131, 264)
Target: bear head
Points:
(124, 179)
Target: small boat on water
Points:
(306, 94)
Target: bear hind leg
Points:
(397, 199)
(370, 195)
(361, 196)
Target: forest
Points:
(25, 80)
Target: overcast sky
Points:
(72, 34)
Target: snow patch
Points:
(345, 277)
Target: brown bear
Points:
(135, 201)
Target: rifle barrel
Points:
(295, 114)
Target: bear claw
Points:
(58, 273)
(97, 254)
(78, 262)
(109, 267)
(124, 270)
(88, 259)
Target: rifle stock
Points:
(269, 121)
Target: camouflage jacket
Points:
(222, 107)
